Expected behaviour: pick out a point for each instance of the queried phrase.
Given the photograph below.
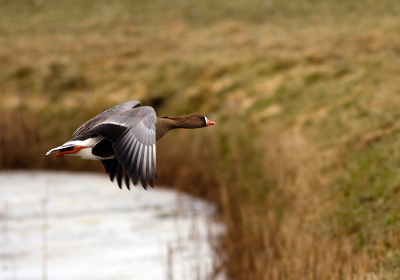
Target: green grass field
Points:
(304, 160)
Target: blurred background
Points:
(304, 160)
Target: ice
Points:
(64, 225)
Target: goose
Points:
(124, 139)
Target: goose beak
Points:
(208, 123)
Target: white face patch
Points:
(205, 119)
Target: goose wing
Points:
(115, 170)
(133, 136)
(105, 115)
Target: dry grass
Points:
(304, 160)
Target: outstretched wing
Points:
(133, 135)
(105, 115)
(115, 170)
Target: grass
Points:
(304, 159)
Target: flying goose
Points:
(124, 139)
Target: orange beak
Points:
(210, 123)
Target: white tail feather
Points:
(56, 150)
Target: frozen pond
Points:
(64, 225)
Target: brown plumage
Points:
(123, 138)
(165, 124)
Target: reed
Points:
(303, 160)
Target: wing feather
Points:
(107, 164)
(132, 133)
(119, 176)
(113, 169)
(105, 115)
(145, 170)
(132, 169)
(127, 181)
(154, 162)
(148, 166)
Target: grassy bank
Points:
(304, 159)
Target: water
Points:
(63, 225)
